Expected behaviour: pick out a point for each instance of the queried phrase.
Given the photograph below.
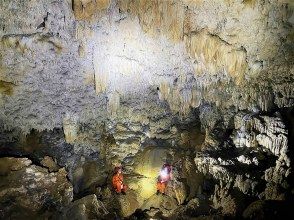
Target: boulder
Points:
(195, 207)
(87, 175)
(121, 205)
(50, 164)
(9, 164)
(128, 203)
(163, 203)
(26, 189)
(87, 207)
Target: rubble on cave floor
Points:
(31, 191)
(222, 178)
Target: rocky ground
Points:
(235, 177)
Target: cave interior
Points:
(205, 86)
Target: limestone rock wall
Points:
(239, 41)
(54, 54)
(255, 138)
(86, 9)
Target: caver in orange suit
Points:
(117, 181)
(163, 178)
(160, 186)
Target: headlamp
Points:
(163, 174)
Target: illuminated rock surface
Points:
(205, 85)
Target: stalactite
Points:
(101, 80)
(180, 100)
(214, 55)
(158, 16)
(164, 91)
(265, 101)
(86, 9)
(284, 94)
(185, 100)
(113, 103)
(70, 128)
(269, 132)
(196, 98)
(275, 143)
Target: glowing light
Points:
(147, 186)
(164, 174)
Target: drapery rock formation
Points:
(204, 85)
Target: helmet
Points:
(117, 168)
(167, 166)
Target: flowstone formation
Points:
(204, 85)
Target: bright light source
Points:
(164, 174)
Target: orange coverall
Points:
(162, 183)
(117, 183)
(160, 186)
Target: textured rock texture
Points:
(245, 167)
(86, 208)
(219, 51)
(130, 70)
(206, 85)
(26, 189)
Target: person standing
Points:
(163, 178)
(118, 181)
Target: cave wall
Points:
(70, 63)
(224, 52)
